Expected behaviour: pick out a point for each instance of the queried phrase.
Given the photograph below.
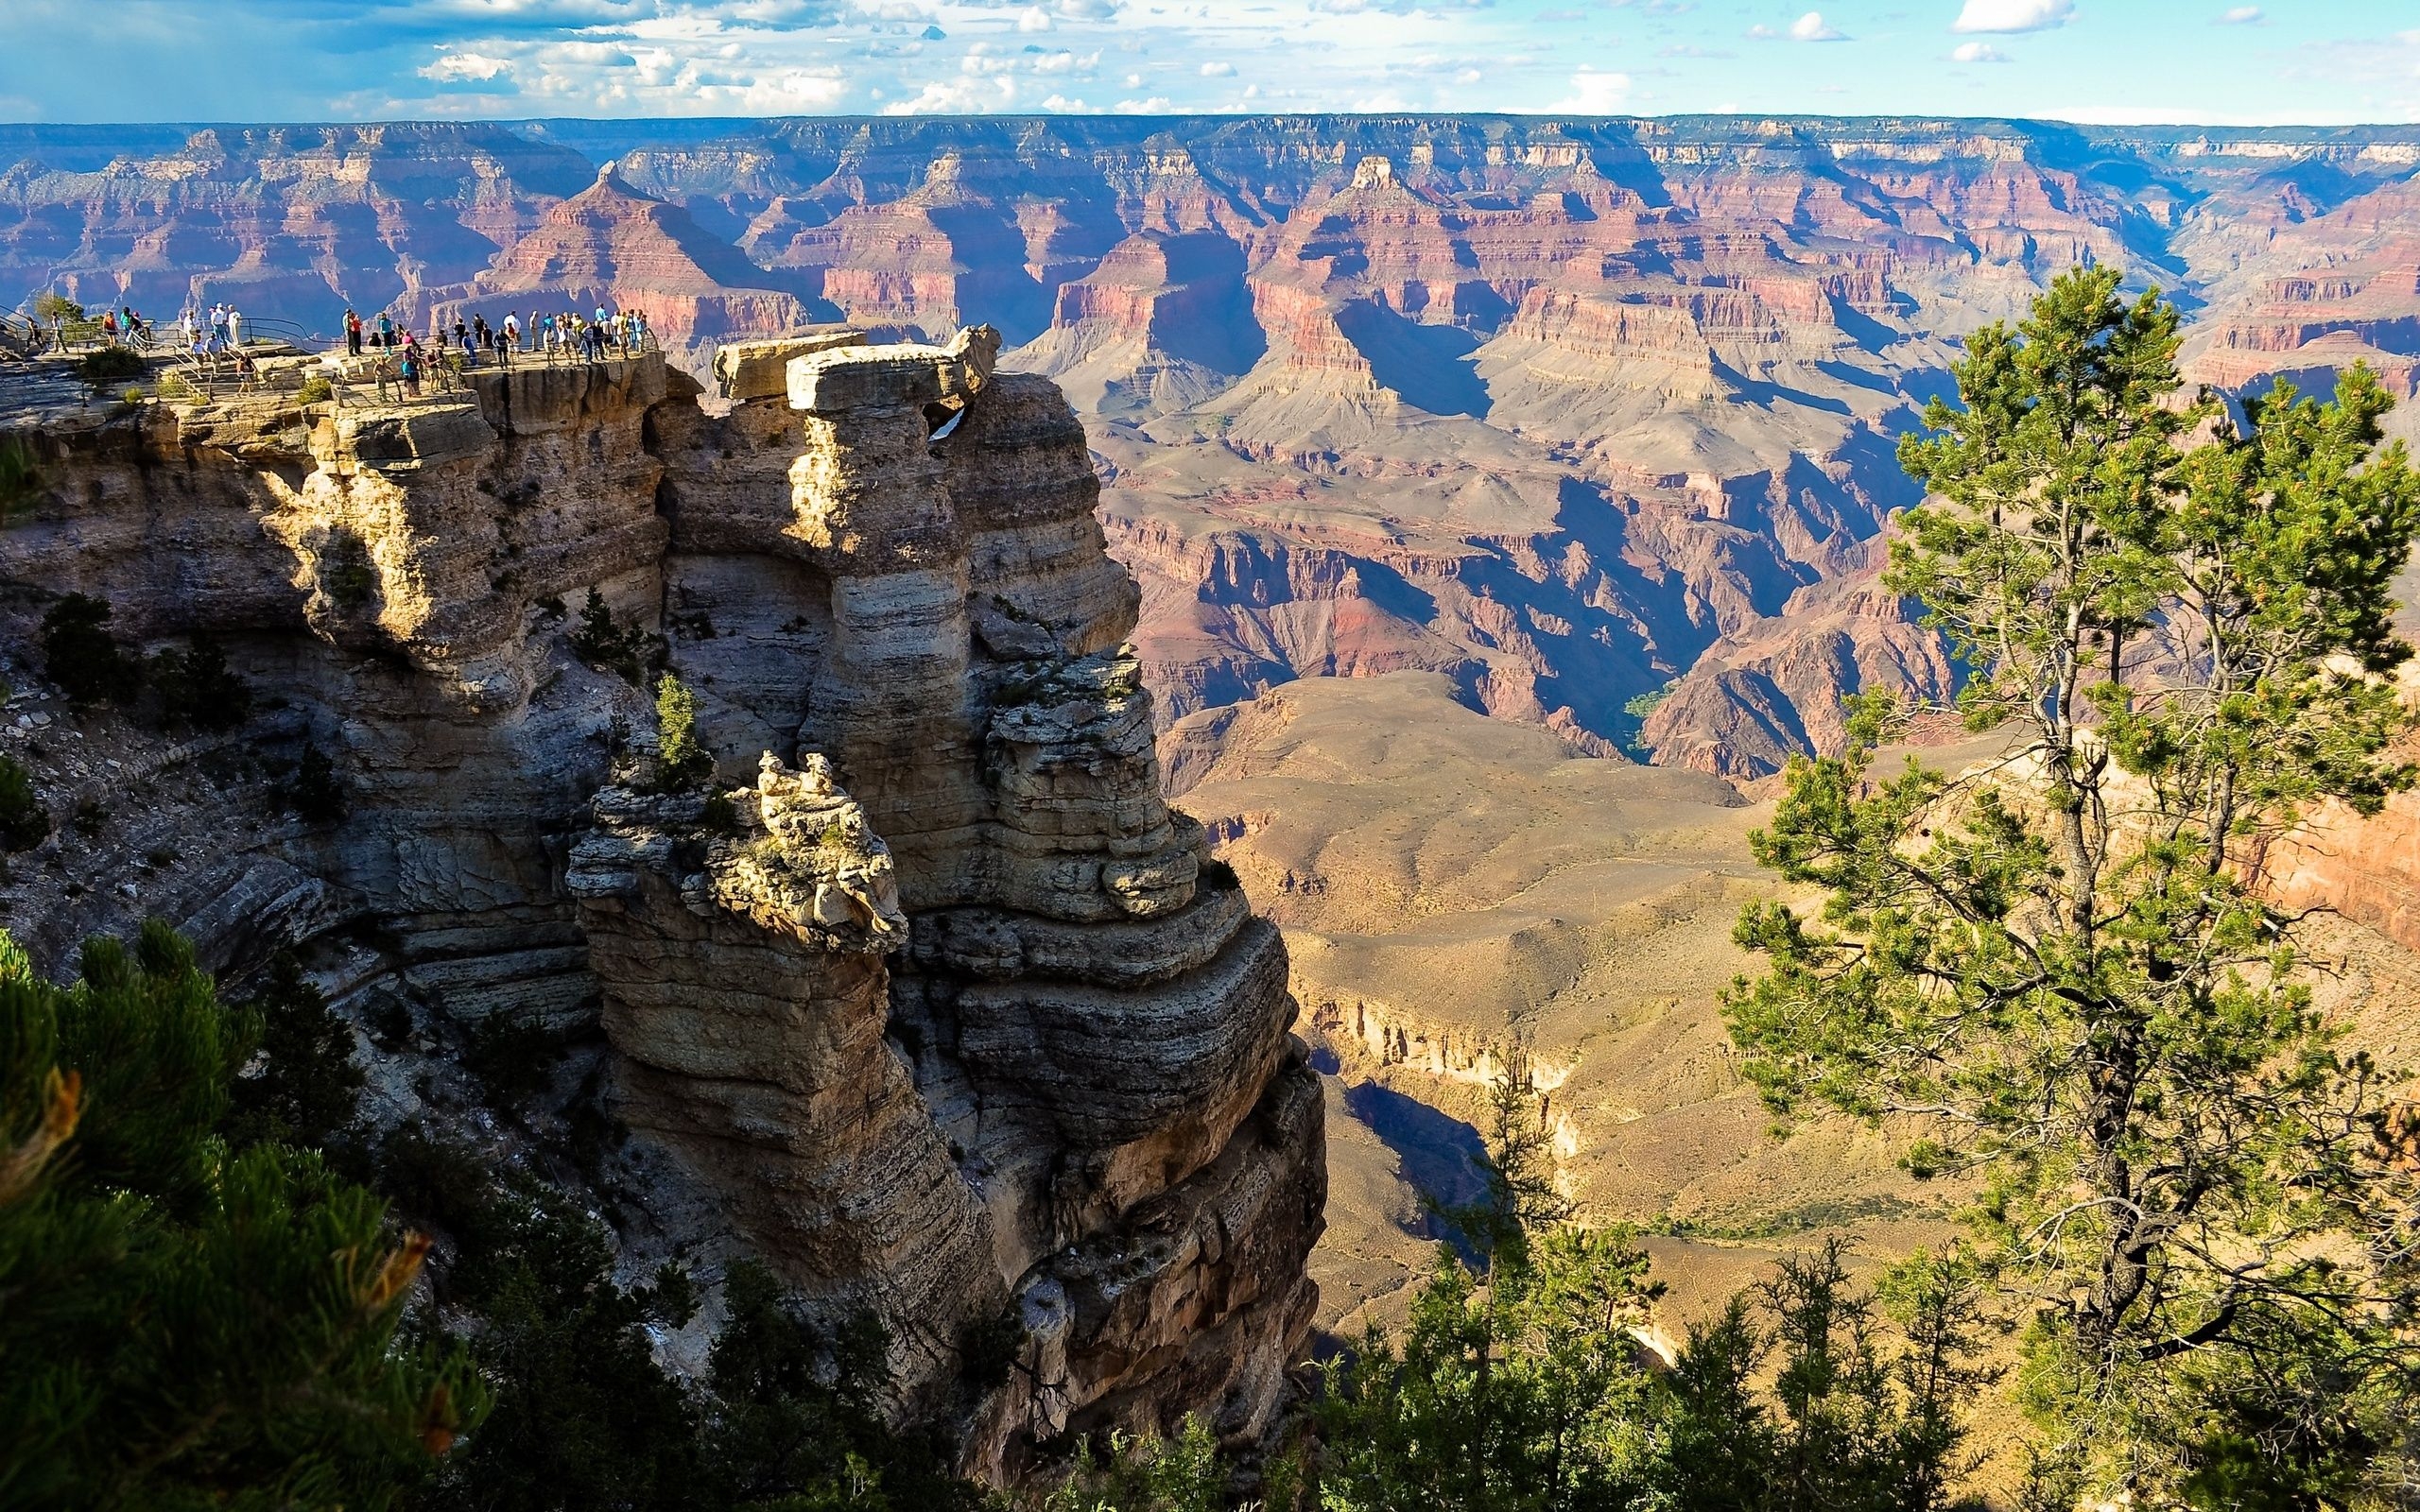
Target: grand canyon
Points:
(1505, 501)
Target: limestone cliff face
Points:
(926, 993)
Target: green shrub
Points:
(305, 1091)
(21, 476)
(317, 793)
(681, 760)
(51, 305)
(132, 394)
(346, 572)
(602, 642)
(23, 821)
(176, 385)
(109, 364)
(317, 389)
(198, 690)
(188, 1325)
(514, 1061)
(82, 658)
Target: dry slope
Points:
(1445, 881)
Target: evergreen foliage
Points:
(23, 823)
(188, 1325)
(346, 573)
(1182, 1474)
(20, 477)
(682, 761)
(196, 689)
(304, 1088)
(2064, 968)
(317, 793)
(80, 655)
(585, 1419)
(1523, 1382)
(105, 366)
(601, 642)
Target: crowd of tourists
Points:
(567, 336)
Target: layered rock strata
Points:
(926, 988)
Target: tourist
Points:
(235, 328)
(513, 328)
(351, 333)
(410, 367)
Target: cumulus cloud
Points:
(1977, 52)
(1809, 28)
(2014, 15)
(451, 67)
(2243, 16)
(1597, 92)
(1217, 69)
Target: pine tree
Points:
(81, 655)
(2062, 966)
(682, 761)
(188, 1327)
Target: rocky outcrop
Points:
(925, 991)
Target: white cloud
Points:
(1595, 92)
(2014, 15)
(1977, 52)
(453, 67)
(1810, 27)
(1035, 19)
(1156, 105)
(2241, 16)
(1217, 69)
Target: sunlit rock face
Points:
(925, 996)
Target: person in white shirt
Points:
(235, 328)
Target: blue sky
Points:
(2201, 62)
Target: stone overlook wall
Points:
(936, 1008)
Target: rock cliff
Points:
(924, 994)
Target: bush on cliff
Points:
(81, 655)
(305, 1086)
(586, 1417)
(196, 689)
(317, 793)
(189, 1322)
(682, 759)
(109, 364)
(23, 823)
(627, 650)
(22, 480)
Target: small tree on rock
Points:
(682, 761)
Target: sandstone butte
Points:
(944, 1018)
(1572, 411)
